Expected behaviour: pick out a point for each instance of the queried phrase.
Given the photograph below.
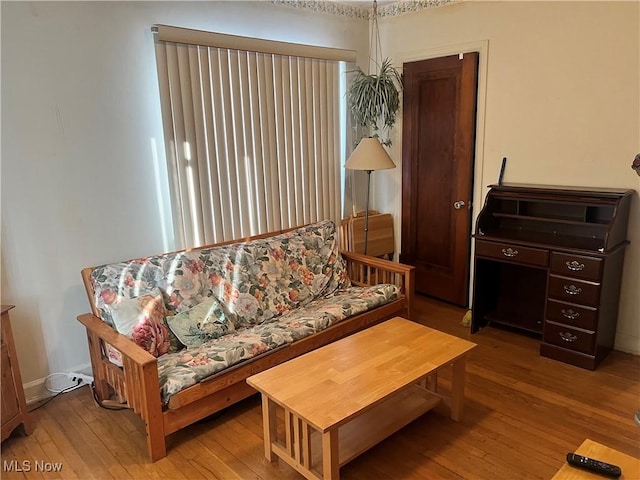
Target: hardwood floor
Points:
(523, 413)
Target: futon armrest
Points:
(136, 383)
(123, 344)
(375, 262)
(364, 270)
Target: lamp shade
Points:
(369, 155)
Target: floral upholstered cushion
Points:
(116, 282)
(324, 312)
(257, 280)
(206, 321)
(143, 320)
(182, 369)
(264, 279)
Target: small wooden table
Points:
(14, 406)
(324, 408)
(630, 466)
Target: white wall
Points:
(83, 180)
(559, 96)
(82, 158)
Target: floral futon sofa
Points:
(174, 336)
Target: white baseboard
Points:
(628, 344)
(36, 391)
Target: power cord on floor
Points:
(58, 393)
(75, 379)
(101, 403)
(79, 383)
(73, 387)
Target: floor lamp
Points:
(369, 155)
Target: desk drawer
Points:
(577, 266)
(512, 253)
(574, 315)
(570, 338)
(574, 291)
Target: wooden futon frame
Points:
(136, 383)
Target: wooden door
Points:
(438, 143)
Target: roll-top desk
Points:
(548, 261)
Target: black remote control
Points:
(595, 466)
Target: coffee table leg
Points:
(269, 426)
(330, 461)
(457, 388)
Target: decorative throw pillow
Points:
(142, 319)
(114, 355)
(206, 321)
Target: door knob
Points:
(458, 205)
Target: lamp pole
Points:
(366, 212)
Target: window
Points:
(252, 133)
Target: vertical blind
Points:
(252, 140)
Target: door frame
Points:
(479, 182)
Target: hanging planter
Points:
(374, 100)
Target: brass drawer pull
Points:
(575, 266)
(572, 290)
(570, 314)
(567, 337)
(509, 252)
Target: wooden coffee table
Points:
(324, 408)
